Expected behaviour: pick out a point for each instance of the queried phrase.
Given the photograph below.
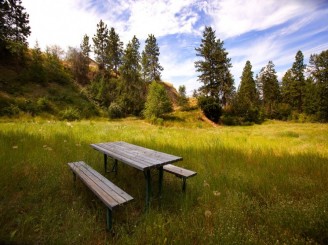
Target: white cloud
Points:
(58, 22)
(235, 17)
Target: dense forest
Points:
(122, 81)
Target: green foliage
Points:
(70, 114)
(100, 44)
(150, 62)
(293, 84)
(115, 111)
(158, 102)
(211, 107)
(270, 90)
(214, 68)
(14, 30)
(114, 51)
(247, 104)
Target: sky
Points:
(254, 30)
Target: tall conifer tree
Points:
(100, 44)
(247, 104)
(214, 68)
(268, 82)
(150, 60)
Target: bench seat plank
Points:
(181, 172)
(110, 194)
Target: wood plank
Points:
(161, 156)
(109, 193)
(100, 193)
(136, 156)
(179, 171)
(118, 198)
(109, 184)
(121, 158)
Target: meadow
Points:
(261, 184)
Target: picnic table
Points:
(141, 158)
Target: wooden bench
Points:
(179, 172)
(108, 193)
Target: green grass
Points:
(262, 184)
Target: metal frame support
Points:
(109, 219)
(184, 186)
(160, 183)
(105, 162)
(115, 168)
(148, 188)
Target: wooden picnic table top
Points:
(136, 156)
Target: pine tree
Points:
(100, 44)
(14, 30)
(133, 90)
(85, 46)
(150, 61)
(318, 69)
(214, 68)
(247, 101)
(14, 21)
(268, 81)
(114, 50)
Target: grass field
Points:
(262, 184)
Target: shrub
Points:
(115, 111)
(158, 102)
(211, 108)
(70, 114)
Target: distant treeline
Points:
(118, 80)
(301, 96)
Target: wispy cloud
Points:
(235, 17)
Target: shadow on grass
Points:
(261, 196)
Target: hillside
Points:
(19, 94)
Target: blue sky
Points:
(255, 30)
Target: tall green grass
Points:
(262, 184)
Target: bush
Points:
(43, 104)
(211, 108)
(70, 114)
(158, 102)
(115, 111)
(11, 110)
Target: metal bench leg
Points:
(184, 184)
(109, 219)
(105, 162)
(148, 188)
(114, 168)
(160, 183)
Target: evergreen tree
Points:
(247, 99)
(132, 96)
(14, 30)
(158, 102)
(268, 82)
(100, 44)
(299, 80)
(319, 74)
(14, 22)
(214, 68)
(182, 100)
(114, 50)
(85, 46)
(37, 72)
(150, 62)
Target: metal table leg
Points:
(105, 162)
(160, 183)
(148, 188)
